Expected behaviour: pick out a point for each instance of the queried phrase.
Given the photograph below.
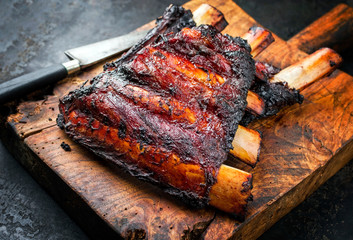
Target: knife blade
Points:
(90, 54)
(81, 57)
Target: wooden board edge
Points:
(316, 179)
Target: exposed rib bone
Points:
(232, 190)
(246, 145)
(259, 39)
(310, 69)
(206, 14)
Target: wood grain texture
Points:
(334, 30)
(302, 147)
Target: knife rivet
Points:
(72, 66)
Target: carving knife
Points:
(81, 57)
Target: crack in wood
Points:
(31, 133)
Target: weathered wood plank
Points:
(338, 23)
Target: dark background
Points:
(34, 34)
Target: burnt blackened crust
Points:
(65, 146)
(240, 42)
(175, 18)
(60, 121)
(248, 118)
(276, 96)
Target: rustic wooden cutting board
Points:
(303, 146)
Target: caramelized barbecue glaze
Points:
(168, 110)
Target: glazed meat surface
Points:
(265, 71)
(168, 110)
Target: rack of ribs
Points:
(168, 110)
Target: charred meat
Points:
(275, 95)
(168, 110)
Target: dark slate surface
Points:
(35, 33)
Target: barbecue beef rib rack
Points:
(168, 111)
